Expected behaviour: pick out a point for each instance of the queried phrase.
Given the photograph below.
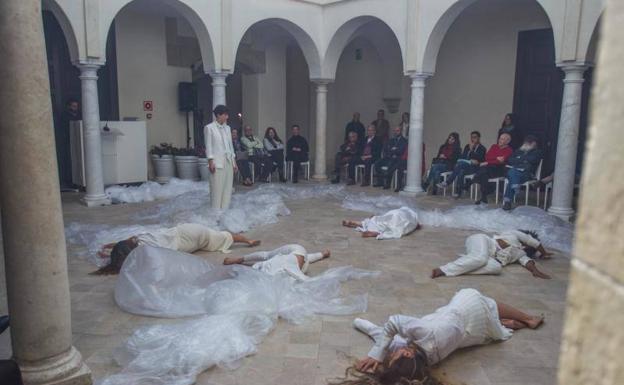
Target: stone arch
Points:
(433, 42)
(187, 11)
(303, 39)
(66, 26)
(345, 34)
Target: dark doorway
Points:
(65, 86)
(538, 91)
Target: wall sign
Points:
(148, 105)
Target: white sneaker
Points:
(442, 185)
(363, 325)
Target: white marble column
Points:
(413, 185)
(94, 175)
(218, 88)
(567, 142)
(33, 236)
(320, 167)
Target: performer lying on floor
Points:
(293, 260)
(185, 237)
(488, 255)
(392, 225)
(406, 347)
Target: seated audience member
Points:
(406, 347)
(509, 127)
(401, 167)
(242, 158)
(405, 122)
(371, 152)
(391, 157)
(257, 154)
(355, 126)
(382, 126)
(447, 156)
(296, 151)
(494, 165)
(275, 147)
(468, 163)
(185, 237)
(348, 154)
(522, 166)
(489, 254)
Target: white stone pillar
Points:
(567, 142)
(218, 88)
(32, 222)
(92, 135)
(413, 185)
(320, 167)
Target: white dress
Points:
(392, 225)
(469, 319)
(188, 238)
(485, 256)
(283, 259)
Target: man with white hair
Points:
(522, 166)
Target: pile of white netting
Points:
(236, 306)
(151, 191)
(553, 232)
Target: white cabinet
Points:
(124, 152)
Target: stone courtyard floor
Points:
(322, 348)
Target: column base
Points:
(97, 200)
(64, 369)
(319, 178)
(412, 191)
(565, 213)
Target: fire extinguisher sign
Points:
(148, 105)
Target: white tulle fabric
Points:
(392, 225)
(236, 305)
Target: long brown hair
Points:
(118, 256)
(404, 371)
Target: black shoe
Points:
(283, 180)
(507, 205)
(335, 181)
(386, 187)
(365, 184)
(295, 181)
(396, 190)
(377, 184)
(4, 323)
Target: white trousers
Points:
(262, 256)
(478, 258)
(221, 186)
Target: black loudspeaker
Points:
(187, 96)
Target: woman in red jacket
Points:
(494, 165)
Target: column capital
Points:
(419, 75)
(89, 64)
(218, 78)
(574, 71)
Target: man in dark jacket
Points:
(522, 165)
(348, 154)
(355, 126)
(296, 151)
(468, 163)
(371, 152)
(392, 152)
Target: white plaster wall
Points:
(143, 74)
(473, 86)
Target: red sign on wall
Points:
(148, 105)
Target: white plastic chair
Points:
(444, 176)
(498, 181)
(359, 173)
(395, 175)
(290, 171)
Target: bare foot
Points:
(254, 243)
(513, 324)
(369, 234)
(351, 224)
(435, 273)
(535, 321)
(233, 260)
(103, 254)
(326, 253)
(539, 274)
(418, 227)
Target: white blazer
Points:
(219, 146)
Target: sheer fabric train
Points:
(235, 308)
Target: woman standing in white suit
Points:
(221, 158)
